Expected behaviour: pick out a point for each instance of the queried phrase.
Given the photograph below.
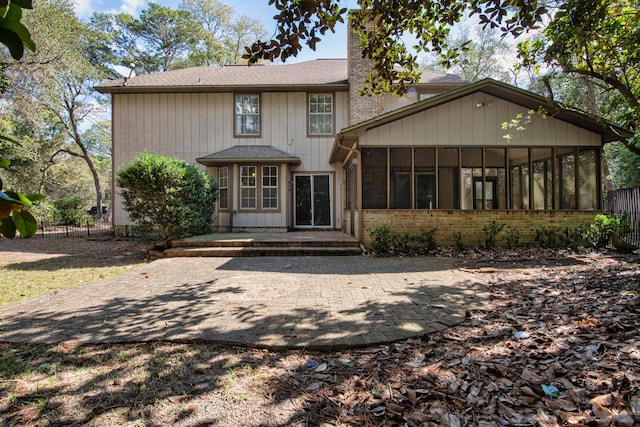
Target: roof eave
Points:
(337, 86)
(219, 161)
(609, 131)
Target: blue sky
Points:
(333, 46)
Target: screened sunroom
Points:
(565, 178)
(450, 162)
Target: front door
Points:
(312, 201)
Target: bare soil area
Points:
(558, 345)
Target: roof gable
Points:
(512, 94)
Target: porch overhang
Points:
(249, 154)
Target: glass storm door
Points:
(312, 201)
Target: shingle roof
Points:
(253, 153)
(316, 73)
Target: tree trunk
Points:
(591, 95)
(87, 158)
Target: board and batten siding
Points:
(192, 125)
(476, 120)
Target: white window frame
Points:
(248, 187)
(315, 104)
(270, 183)
(223, 187)
(246, 105)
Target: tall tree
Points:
(598, 38)
(166, 36)
(31, 164)
(483, 54)
(57, 81)
(223, 33)
(199, 32)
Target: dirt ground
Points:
(557, 345)
(101, 250)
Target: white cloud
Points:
(131, 6)
(83, 8)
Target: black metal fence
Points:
(98, 227)
(626, 202)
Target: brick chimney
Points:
(361, 108)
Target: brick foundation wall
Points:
(470, 223)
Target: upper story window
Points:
(320, 114)
(223, 187)
(247, 115)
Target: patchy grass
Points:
(143, 384)
(30, 267)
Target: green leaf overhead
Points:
(599, 39)
(13, 34)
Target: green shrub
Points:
(459, 241)
(167, 197)
(513, 239)
(490, 232)
(381, 238)
(549, 237)
(425, 239)
(578, 238)
(70, 211)
(401, 241)
(598, 234)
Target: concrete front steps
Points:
(287, 245)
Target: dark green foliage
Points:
(167, 197)
(381, 238)
(459, 241)
(13, 34)
(490, 232)
(579, 238)
(549, 237)
(384, 240)
(513, 239)
(624, 165)
(426, 238)
(70, 211)
(602, 225)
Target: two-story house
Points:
(295, 146)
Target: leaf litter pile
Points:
(558, 345)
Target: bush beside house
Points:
(166, 197)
